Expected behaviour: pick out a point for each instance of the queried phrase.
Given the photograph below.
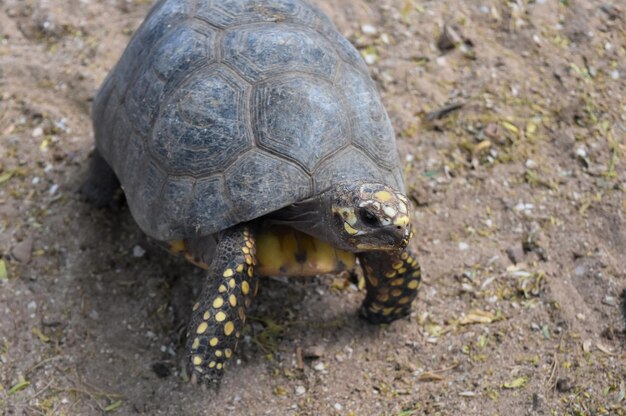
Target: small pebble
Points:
(463, 246)
(319, 366)
(22, 250)
(300, 390)
(615, 74)
(94, 314)
(313, 352)
(338, 406)
(515, 253)
(32, 305)
(368, 29)
(37, 132)
(138, 251)
(609, 300)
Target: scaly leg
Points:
(392, 282)
(219, 316)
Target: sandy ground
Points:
(519, 209)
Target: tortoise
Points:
(248, 135)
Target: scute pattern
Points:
(220, 111)
(225, 13)
(203, 127)
(174, 201)
(182, 50)
(208, 208)
(261, 51)
(260, 184)
(350, 164)
(371, 126)
(299, 118)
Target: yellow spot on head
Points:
(213, 342)
(383, 196)
(245, 250)
(196, 343)
(218, 302)
(416, 273)
(396, 292)
(250, 271)
(397, 282)
(212, 364)
(229, 327)
(397, 265)
(239, 268)
(228, 272)
(197, 360)
(413, 284)
(202, 328)
(218, 353)
(228, 352)
(404, 256)
(245, 288)
(232, 283)
(349, 229)
(196, 306)
(391, 275)
(390, 211)
(222, 289)
(232, 299)
(220, 316)
(219, 366)
(402, 221)
(206, 315)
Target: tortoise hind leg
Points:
(219, 316)
(102, 186)
(392, 282)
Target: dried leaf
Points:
(516, 384)
(4, 275)
(113, 406)
(5, 177)
(40, 334)
(429, 376)
(21, 385)
(604, 349)
(477, 317)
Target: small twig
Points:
(443, 111)
(44, 362)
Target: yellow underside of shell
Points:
(283, 251)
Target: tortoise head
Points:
(369, 217)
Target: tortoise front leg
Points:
(392, 281)
(219, 316)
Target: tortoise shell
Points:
(221, 111)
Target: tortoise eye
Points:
(368, 218)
